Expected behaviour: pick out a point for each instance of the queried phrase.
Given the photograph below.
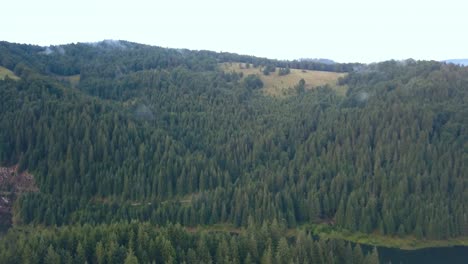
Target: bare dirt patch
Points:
(13, 184)
(13, 181)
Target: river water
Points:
(442, 255)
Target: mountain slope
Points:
(166, 136)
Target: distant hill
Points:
(463, 62)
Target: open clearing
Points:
(408, 242)
(6, 72)
(276, 85)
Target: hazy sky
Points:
(345, 31)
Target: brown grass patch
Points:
(275, 85)
(4, 72)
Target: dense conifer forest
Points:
(133, 148)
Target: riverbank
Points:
(379, 240)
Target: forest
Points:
(139, 151)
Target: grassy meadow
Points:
(6, 72)
(276, 85)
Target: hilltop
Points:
(463, 62)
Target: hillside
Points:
(147, 153)
(276, 84)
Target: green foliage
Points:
(284, 71)
(252, 81)
(269, 69)
(51, 256)
(131, 258)
(115, 240)
(161, 135)
(300, 87)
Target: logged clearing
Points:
(276, 85)
(6, 72)
(12, 184)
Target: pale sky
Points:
(345, 31)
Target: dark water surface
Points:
(443, 255)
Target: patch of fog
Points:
(53, 49)
(144, 112)
(108, 43)
(362, 96)
(48, 51)
(364, 68)
(60, 50)
(183, 52)
(114, 43)
(405, 62)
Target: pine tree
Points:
(51, 257)
(80, 253)
(372, 258)
(283, 253)
(267, 257)
(131, 258)
(100, 253)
